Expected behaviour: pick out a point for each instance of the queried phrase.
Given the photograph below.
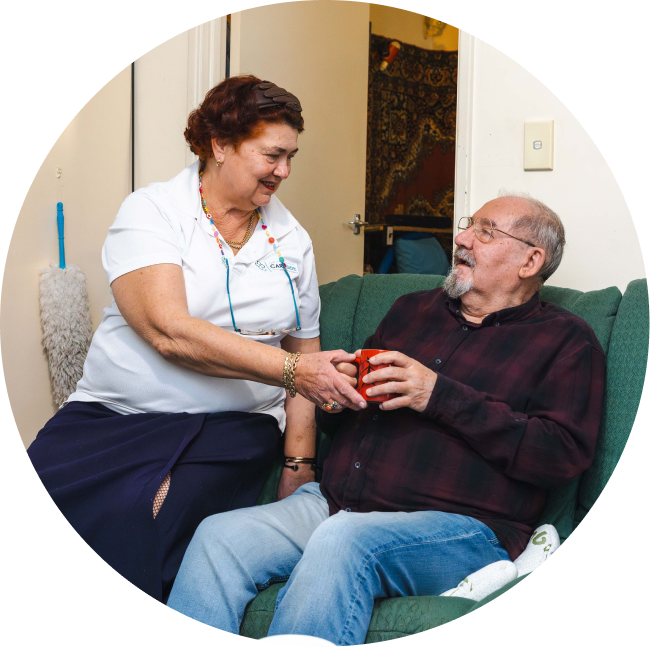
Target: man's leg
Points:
(234, 554)
(353, 558)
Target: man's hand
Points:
(412, 380)
(290, 481)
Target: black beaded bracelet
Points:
(294, 468)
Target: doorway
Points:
(411, 143)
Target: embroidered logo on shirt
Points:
(275, 266)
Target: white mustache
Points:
(464, 255)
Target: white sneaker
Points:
(544, 542)
(485, 581)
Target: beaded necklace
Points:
(224, 260)
(219, 238)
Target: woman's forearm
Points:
(153, 302)
(205, 348)
(300, 433)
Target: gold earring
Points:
(219, 162)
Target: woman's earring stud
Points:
(219, 162)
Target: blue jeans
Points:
(336, 566)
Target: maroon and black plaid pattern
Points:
(515, 411)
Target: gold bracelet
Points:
(289, 373)
(298, 459)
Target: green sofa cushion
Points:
(259, 613)
(338, 306)
(598, 308)
(392, 617)
(379, 292)
(626, 364)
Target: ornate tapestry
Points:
(411, 132)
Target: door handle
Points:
(357, 223)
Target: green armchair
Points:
(351, 310)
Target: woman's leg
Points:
(235, 554)
(353, 558)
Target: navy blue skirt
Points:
(103, 470)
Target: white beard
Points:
(455, 287)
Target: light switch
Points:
(538, 146)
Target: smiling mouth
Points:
(268, 185)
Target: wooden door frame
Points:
(464, 118)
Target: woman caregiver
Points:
(182, 402)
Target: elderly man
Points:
(498, 400)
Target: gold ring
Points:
(332, 406)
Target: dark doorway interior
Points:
(411, 148)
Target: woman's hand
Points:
(412, 380)
(290, 481)
(318, 379)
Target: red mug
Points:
(365, 367)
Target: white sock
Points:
(544, 542)
(485, 581)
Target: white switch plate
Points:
(536, 157)
(389, 235)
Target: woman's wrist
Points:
(289, 373)
(300, 463)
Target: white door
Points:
(318, 51)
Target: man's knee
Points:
(223, 529)
(343, 535)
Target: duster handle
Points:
(59, 224)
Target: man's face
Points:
(492, 267)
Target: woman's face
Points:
(254, 171)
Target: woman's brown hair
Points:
(230, 114)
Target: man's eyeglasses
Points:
(261, 331)
(483, 229)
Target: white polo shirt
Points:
(164, 223)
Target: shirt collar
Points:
(507, 315)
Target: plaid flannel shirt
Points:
(515, 411)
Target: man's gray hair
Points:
(543, 227)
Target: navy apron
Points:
(103, 470)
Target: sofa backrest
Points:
(353, 307)
(626, 368)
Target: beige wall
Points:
(170, 81)
(602, 245)
(94, 155)
(161, 111)
(408, 27)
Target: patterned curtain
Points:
(411, 132)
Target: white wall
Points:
(170, 81)
(161, 111)
(94, 155)
(602, 244)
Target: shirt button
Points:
(375, 417)
(465, 328)
(438, 361)
(348, 510)
(357, 465)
